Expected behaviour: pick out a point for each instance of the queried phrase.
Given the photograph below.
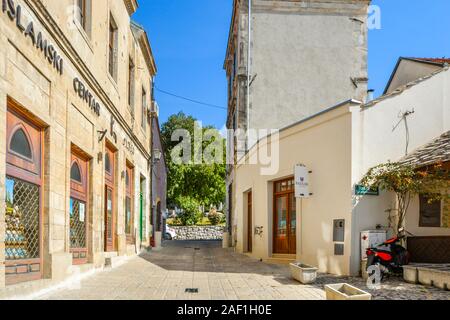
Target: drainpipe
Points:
(152, 115)
(249, 52)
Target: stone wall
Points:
(199, 233)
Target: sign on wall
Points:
(302, 185)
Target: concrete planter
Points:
(438, 277)
(303, 273)
(410, 274)
(344, 291)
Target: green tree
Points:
(202, 181)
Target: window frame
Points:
(423, 199)
(144, 109)
(113, 47)
(30, 173)
(131, 84)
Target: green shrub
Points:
(214, 217)
(191, 214)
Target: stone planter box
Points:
(435, 276)
(410, 274)
(303, 273)
(344, 291)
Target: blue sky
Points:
(189, 38)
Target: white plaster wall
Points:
(375, 142)
(324, 145)
(303, 63)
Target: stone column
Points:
(57, 258)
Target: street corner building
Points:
(311, 84)
(76, 151)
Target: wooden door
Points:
(249, 222)
(109, 200)
(285, 221)
(129, 212)
(24, 187)
(79, 215)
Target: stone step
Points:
(115, 261)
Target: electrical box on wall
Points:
(371, 238)
(339, 230)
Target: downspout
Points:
(249, 52)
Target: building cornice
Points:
(131, 5)
(146, 49)
(331, 7)
(44, 17)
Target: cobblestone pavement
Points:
(218, 274)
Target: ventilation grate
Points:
(191, 290)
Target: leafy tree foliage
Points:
(191, 214)
(201, 182)
(407, 181)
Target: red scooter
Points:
(389, 257)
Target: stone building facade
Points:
(75, 98)
(304, 57)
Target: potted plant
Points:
(344, 291)
(303, 273)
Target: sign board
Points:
(302, 186)
(364, 191)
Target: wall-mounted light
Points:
(100, 157)
(157, 155)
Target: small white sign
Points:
(82, 212)
(302, 187)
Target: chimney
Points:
(369, 95)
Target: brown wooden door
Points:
(79, 208)
(109, 200)
(24, 186)
(129, 212)
(250, 223)
(285, 224)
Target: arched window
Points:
(75, 173)
(107, 163)
(20, 144)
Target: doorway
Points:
(109, 199)
(24, 205)
(285, 217)
(79, 215)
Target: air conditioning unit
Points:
(371, 238)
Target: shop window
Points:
(75, 173)
(20, 144)
(22, 220)
(144, 110)
(131, 72)
(107, 163)
(430, 213)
